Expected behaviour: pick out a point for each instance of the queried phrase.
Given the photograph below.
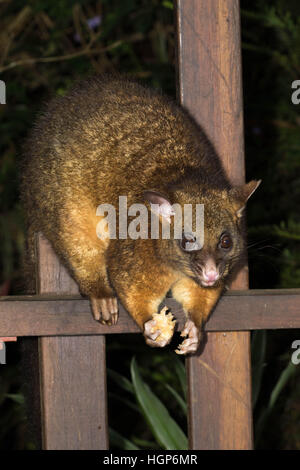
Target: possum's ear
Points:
(241, 195)
(159, 204)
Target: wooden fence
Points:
(70, 378)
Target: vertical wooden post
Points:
(210, 88)
(72, 373)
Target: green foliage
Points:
(12, 414)
(259, 362)
(286, 375)
(116, 440)
(258, 355)
(271, 44)
(164, 429)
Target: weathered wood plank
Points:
(71, 315)
(210, 88)
(72, 374)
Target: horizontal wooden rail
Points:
(45, 315)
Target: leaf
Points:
(178, 398)
(126, 402)
(120, 380)
(164, 428)
(181, 374)
(285, 375)
(258, 353)
(117, 440)
(145, 444)
(168, 4)
(16, 397)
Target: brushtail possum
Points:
(110, 137)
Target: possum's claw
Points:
(191, 343)
(105, 310)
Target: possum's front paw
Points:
(105, 310)
(159, 331)
(191, 343)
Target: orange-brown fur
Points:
(108, 137)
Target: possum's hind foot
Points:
(159, 330)
(105, 310)
(191, 343)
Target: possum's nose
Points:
(211, 276)
(210, 272)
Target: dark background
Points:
(44, 47)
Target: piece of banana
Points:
(165, 322)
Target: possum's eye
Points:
(225, 242)
(189, 242)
